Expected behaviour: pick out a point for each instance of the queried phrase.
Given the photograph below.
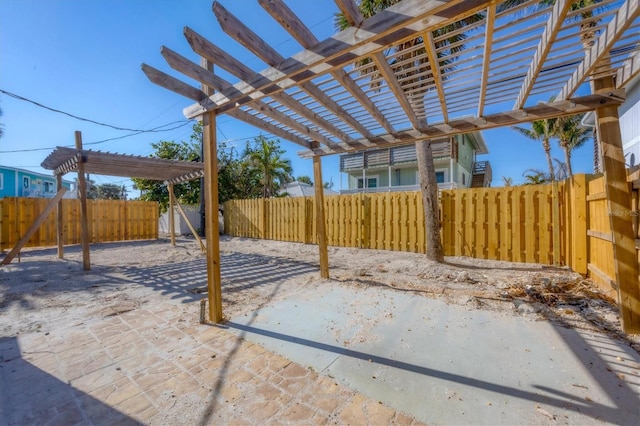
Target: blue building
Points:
(24, 183)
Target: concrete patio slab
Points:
(446, 364)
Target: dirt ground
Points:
(42, 292)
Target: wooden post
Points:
(84, 217)
(33, 228)
(210, 159)
(193, 231)
(172, 218)
(619, 210)
(320, 223)
(59, 220)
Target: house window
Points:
(1, 181)
(26, 182)
(440, 177)
(464, 178)
(48, 187)
(372, 182)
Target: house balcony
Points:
(397, 188)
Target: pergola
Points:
(358, 90)
(64, 160)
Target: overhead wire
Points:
(126, 129)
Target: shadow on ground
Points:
(29, 395)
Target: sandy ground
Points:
(42, 291)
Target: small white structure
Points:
(181, 227)
(301, 189)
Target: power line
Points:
(154, 130)
(102, 141)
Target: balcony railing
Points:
(441, 186)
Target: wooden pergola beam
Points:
(624, 17)
(486, 63)
(401, 21)
(509, 118)
(173, 84)
(184, 178)
(392, 82)
(629, 70)
(298, 30)
(69, 165)
(190, 69)
(208, 50)
(434, 64)
(353, 15)
(256, 45)
(553, 27)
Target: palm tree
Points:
(588, 34)
(426, 169)
(535, 177)
(571, 136)
(274, 170)
(543, 131)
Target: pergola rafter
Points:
(356, 90)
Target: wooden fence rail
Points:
(109, 220)
(563, 224)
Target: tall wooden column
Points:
(84, 217)
(210, 159)
(59, 221)
(620, 214)
(172, 218)
(320, 222)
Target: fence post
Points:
(578, 224)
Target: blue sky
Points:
(84, 57)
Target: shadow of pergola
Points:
(30, 395)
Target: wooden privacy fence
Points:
(388, 221)
(601, 268)
(109, 220)
(565, 223)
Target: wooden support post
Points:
(210, 159)
(33, 228)
(619, 209)
(320, 222)
(84, 217)
(172, 218)
(59, 220)
(203, 248)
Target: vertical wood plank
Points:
(492, 234)
(517, 231)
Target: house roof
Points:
(353, 91)
(478, 140)
(64, 160)
(300, 189)
(32, 173)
